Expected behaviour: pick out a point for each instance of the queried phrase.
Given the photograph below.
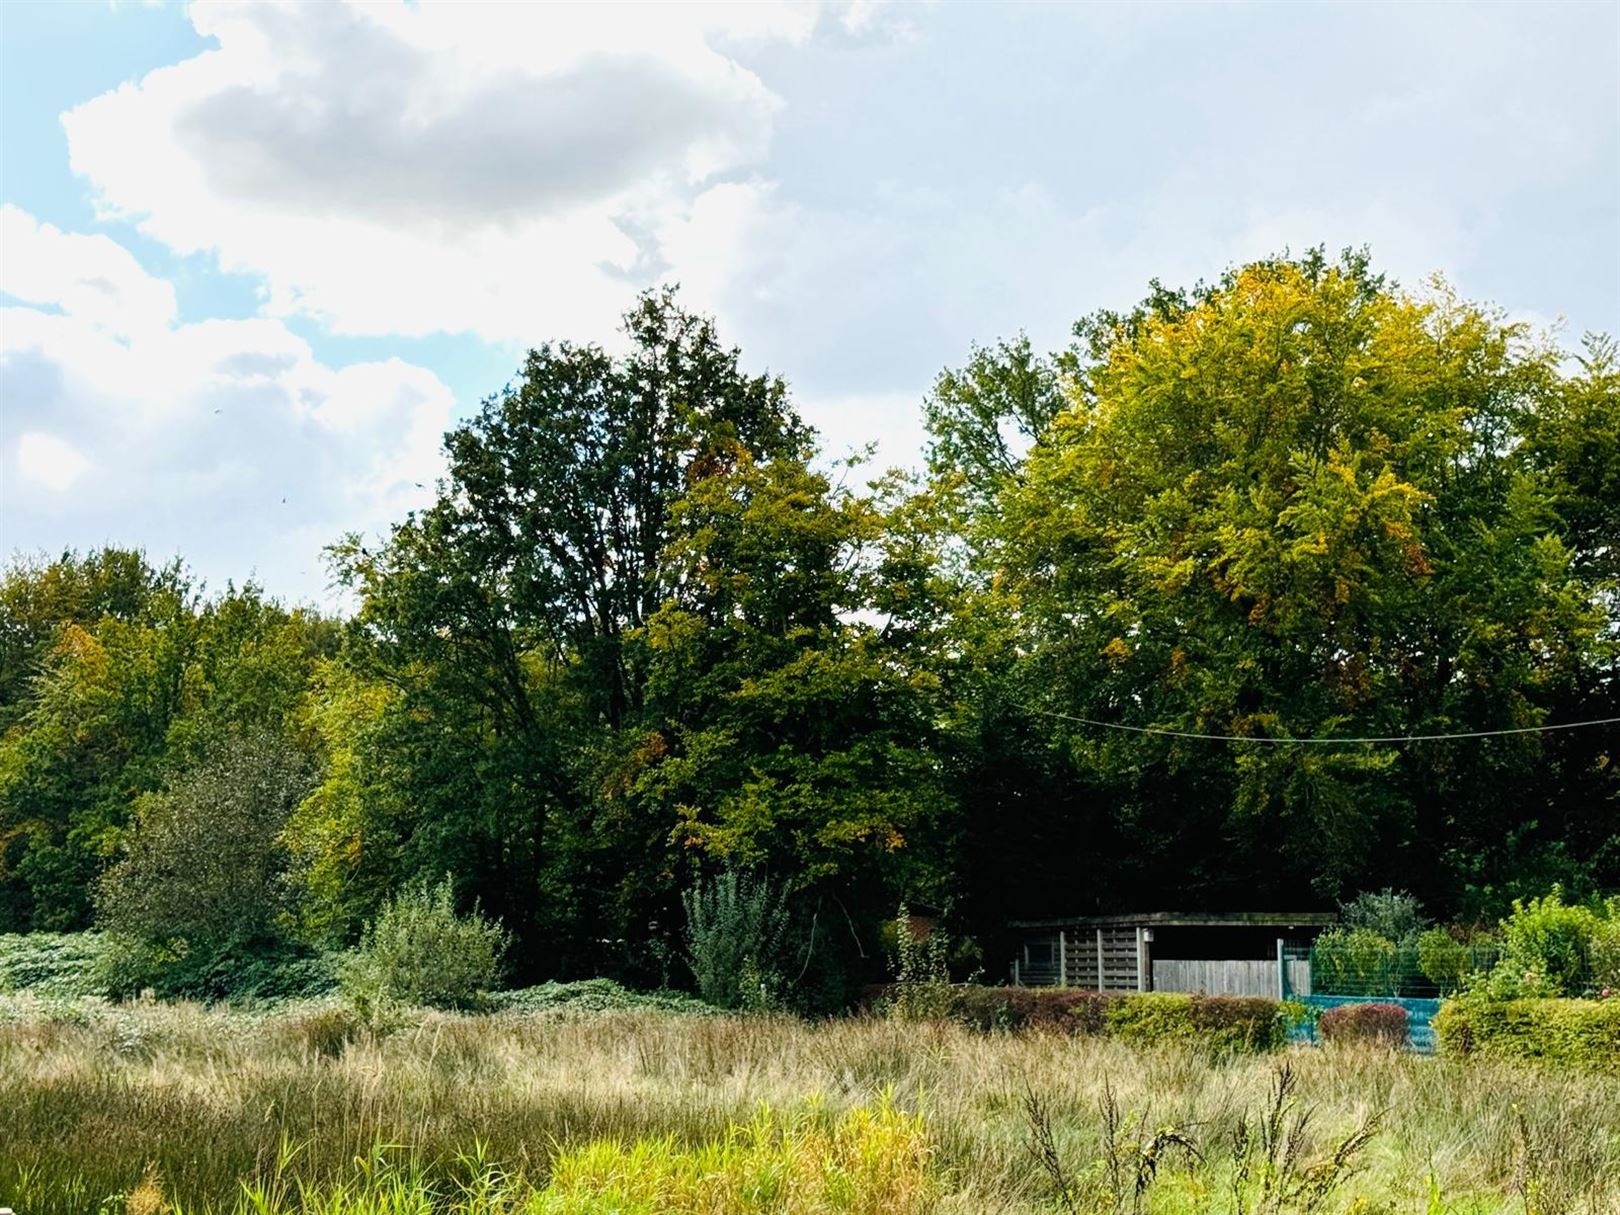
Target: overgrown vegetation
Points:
(306, 1109)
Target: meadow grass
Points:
(146, 1108)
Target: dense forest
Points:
(648, 631)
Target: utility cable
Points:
(1286, 742)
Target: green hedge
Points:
(1224, 1024)
(1582, 1034)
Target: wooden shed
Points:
(1236, 953)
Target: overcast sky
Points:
(255, 258)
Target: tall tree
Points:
(1296, 504)
(504, 608)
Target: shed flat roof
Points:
(1192, 919)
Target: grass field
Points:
(147, 1108)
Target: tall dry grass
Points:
(95, 1098)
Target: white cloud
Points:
(49, 461)
(93, 277)
(437, 167)
(225, 441)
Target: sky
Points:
(255, 258)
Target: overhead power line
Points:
(1334, 741)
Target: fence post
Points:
(1063, 957)
(1282, 971)
(1101, 984)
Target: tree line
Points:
(648, 631)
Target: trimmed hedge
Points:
(1365, 1024)
(1582, 1034)
(1224, 1024)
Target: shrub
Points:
(1581, 1034)
(1150, 1018)
(1353, 963)
(1240, 1024)
(922, 976)
(1548, 950)
(1037, 1009)
(203, 861)
(735, 929)
(1394, 915)
(1444, 960)
(1364, 1024)
(1606, 951)
(419, 951)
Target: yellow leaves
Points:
(1117, 652)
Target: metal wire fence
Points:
(1362, 965)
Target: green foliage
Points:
(922, 974)
(1552, 940)
(1581, 1034)
(1254, 517)
(1152, 1018)
(258, 970)
(113, 677)
(203, 862)
(1354, 962)
(50, 964)
(1365, 1025)
(589, 996)
(1035, 1009)
(1221, 1025)
(736, 928)
(1395, 916)
(420, 951)
(1444, 960)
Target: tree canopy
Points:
(1119, 645)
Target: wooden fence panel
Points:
(1217, 977)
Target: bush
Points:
(922, 975)
(1444, 960)
(1240, 1024)
(1150, 1018)
(1580, 1034)
(1223, 1024)
(419, 951)
(735, 930)
(203, 861)
(1365, 1024)
(1353, 963)
(1606, 951)
(1037, 1009)
(1394, 915)
(1550, 949)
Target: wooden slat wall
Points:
(1118, 959)
(1081, 955)
(1217, 978)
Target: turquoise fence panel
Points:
(1420, 1016)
